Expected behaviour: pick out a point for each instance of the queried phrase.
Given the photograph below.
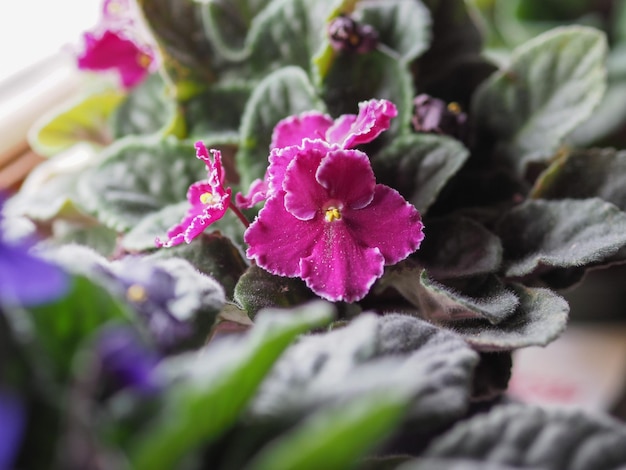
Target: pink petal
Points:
(214, 167)
(348, 177)
(304, 197)
(342, 127)
(294, 129)
(389, 223)
(280, 159)
(374, 118)
(277, 240)
(339, 267)
(257, 193)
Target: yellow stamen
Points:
(136, 293)
(144, 60)
(332, 214)
(206, 198)
(114, 7)
(454, 107)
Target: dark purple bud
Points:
(345, 34)
(433, 115)
(126, 362)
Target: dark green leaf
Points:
(283, 93)
(212, 254)
(539, 319)
(373, 354)
(139, 176)
(456, 247)
(528, 437)
(585, 173)
(402, 25)
(542, 235)
(419, 166)
(147, 109)
(353, 78)
(335, 437)
(209, 392)
(258, 289)
(552, 84)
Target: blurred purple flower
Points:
(345, 34)
(26, 279)
(347, 131)
(12, 423)
(432, 115)
(330, 224)
(125, 362)
(209, 201)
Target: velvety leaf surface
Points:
(402, 25)
(538, 320)
(258, 289)
(212, 254)
(371, 354)
(209, 391)
(147, 109)
(585, 173)
(97, 237)
(85, 119)
(139, 176)
(335, 437)
(551, 85)
(419, 166)
(528, 437)
(141, 237)
(457, 247)
(283, 93)
(353, 78)
(541, 235)
(188, 56)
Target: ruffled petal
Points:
(389, 223)
(340, 268)
(257, 193)
(340, 130)
(348, 177)
(374, 118)
(281, 158)
(277, 240)
(294, 129)
(304, 196)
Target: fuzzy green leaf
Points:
(369, 355)
(552, 84)
(539, 235)
(458, 247)
(419, 166)
(521, 436)
(402, 25)
(209, 392)
(283, 93)
(335, 437)
(585, 173)
(258, 289)
(139, 176)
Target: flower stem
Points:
(239, 214)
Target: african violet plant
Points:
(285, 234)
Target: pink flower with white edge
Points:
(347, 131)
(209, 201)
(117, 44)
(332, 225)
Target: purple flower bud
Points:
(433, 115)
(345, 34)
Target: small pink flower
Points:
(209, 201)
(347, 131)
(116, 44)
(330, 224)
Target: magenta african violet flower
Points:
(332, 225)
(347, 131)
(209, 201)
(116, 45)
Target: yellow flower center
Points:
(206, 198)
(136, 293)
(332, 214)
(115, 8)
(454, 107)
(144, 60)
